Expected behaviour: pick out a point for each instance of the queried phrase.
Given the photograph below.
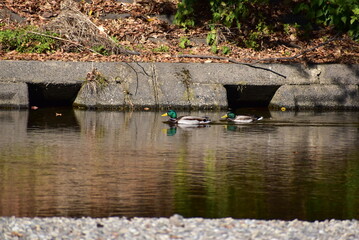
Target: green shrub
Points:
(248, 22)
(230, 14)
(185, 14)
(233, 13)
(343, 15)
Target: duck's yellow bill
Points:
(165, 114)
(225, 116)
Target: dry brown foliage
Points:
(83, 22)
(77, 27)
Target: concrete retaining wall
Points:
(13, 95)
(185, 85)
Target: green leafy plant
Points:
(290, 28)
(212, 36)
(24, 41)
(226, 50)
(232, 12)
(184, 42)
(230, 15)
(114, 39)
(101, 50)
(252, 40)
(162, 48)
(354, 23)
(140, 46)
(341, 14)
(184, 16)
(248, 22)
(256, 37)
(287, 53)
(214, 48)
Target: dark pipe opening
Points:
(52, 95)
(239, 96)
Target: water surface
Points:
(65, 162)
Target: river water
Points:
(73, 163)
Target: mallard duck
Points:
(231, 117)
(190, 120)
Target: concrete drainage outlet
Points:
(41, 94)
(249, 95)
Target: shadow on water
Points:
(66, 162)
(43, 118)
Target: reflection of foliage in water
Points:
(182, 184)
(352, 185)
(304, 186)
(275, 170)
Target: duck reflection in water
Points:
(170, 131)
(231, 127)
(173, 128)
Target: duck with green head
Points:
(231, 117)
(189, 120)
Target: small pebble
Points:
(177, 220)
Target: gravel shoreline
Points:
(175, 227)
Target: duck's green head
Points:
(229, 115)
(170, 113)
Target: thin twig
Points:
(128, 64)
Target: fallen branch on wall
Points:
(230, 60)
(259, 60)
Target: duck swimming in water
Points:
(189, 120)
(231, 117)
